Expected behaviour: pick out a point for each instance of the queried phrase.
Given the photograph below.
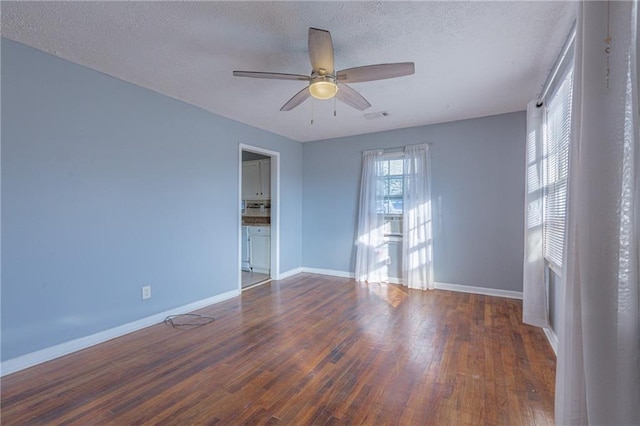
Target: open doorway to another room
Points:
(258, 236)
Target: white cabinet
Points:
(265, 179)
(250, 180)
(260, 248)
(256, 180)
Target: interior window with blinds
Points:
(557, 131)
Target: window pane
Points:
(395, 206)
(556, 170)
(385, 167)
(390, 184)
(396, 167)
(395, 187)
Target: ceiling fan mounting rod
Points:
(326, 77)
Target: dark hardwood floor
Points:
(310, 349)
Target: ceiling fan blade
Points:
(321, 51)
(352, 98)
(375, 72)
(271, 75)
(297, 99)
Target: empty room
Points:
(317, 212)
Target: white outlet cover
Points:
(146, 292)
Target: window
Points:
(390, 186)
(390, 182)
(557, 130)
(394, 218)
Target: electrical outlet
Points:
(146, 292)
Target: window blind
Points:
(557, 131)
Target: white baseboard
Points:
(479, 290)
(289, 273)
(552, 338)
(440, 286)
(47, 354)
(331, 272)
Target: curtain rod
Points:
(558, 64)
(397, 147)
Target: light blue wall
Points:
(107, 187)
(478, 174)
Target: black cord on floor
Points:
(188, 320)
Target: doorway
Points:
(259, 171)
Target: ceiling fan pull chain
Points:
(334, 106)
(312, 112)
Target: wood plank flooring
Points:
(252, 278)
(307, 350)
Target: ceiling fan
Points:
(325, 82)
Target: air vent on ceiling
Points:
(374, 115)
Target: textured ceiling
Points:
(472, 59)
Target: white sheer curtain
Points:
(535, 305)
(371, 249)
(598, 379)
(417, 241)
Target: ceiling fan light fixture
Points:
(323, 89)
